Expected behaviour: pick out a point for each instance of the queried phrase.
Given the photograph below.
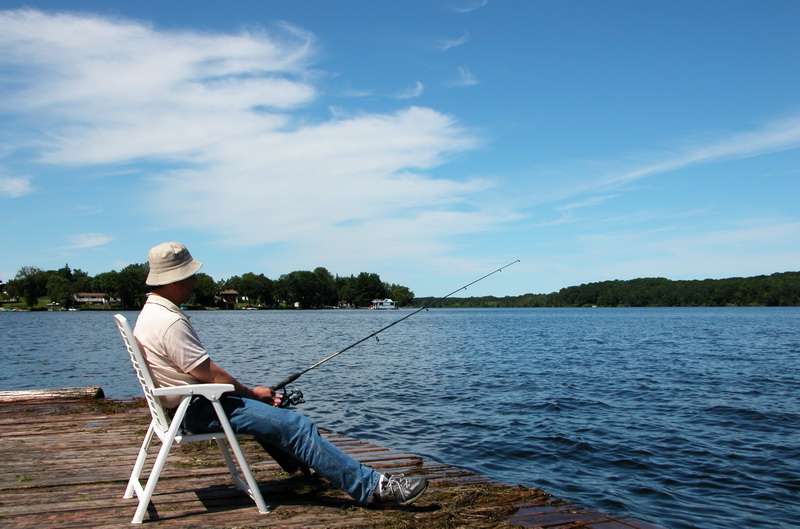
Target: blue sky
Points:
(430, 142)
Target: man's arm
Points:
(210, 373)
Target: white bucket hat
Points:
(170, 262)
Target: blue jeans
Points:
(290, 438)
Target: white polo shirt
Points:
(170, 345)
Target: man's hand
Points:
(267, 395)
(211, 373)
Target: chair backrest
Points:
(157, 411)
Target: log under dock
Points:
(66, 463)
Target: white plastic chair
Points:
(169, 430)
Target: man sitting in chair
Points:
(176, 357)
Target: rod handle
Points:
(283, 383)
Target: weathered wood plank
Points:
(52, 394)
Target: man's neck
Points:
(169, 293)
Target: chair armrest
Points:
(209, 391)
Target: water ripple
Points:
(687, 418)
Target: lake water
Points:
(684, 417)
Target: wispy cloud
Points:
(467, 6)
(775, 136)
(87, 240)
(106, 99)
(324, 179)
(446, 44)
(87, 209)
(15, 186)
(464, 78)
(582, 177)
(749, 244)
(222, 123)
(411, 92)
(591, 201)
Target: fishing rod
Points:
(291, 378)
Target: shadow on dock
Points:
(66, 463)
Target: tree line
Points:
(301, 288)
(319, 288)
(780, 289)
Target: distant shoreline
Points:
(776, 290)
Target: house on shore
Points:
(228, 299)
(91, 298)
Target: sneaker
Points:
(404, 490)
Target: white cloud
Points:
(15, 186)
(464, 78)
(778, 135)
(748, 234)
(324, 180)
(87, 240)
(412, 92)
(695, 251)
(467, 6)
(582, 177)
(591, 201)
(112, 90)
(245, 158)
(87, 209)
(446, 44)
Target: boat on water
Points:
(383, 304)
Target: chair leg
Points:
(158, 465)
(226, 455)
(254, 492)
(155, 473)
(139, 465)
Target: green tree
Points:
(369, 287)
(65, 272)
(402, 295)
(232, 283)
(326, 288)
(131, 286)
(205, 290)
(83, 282)
(59, 289)
(346, 290)
(30, 284)
(258, 288)
(106, 282)
(298, 287)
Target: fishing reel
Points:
(291, 397)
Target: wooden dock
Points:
(66, 463)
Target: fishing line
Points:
(295, 376)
